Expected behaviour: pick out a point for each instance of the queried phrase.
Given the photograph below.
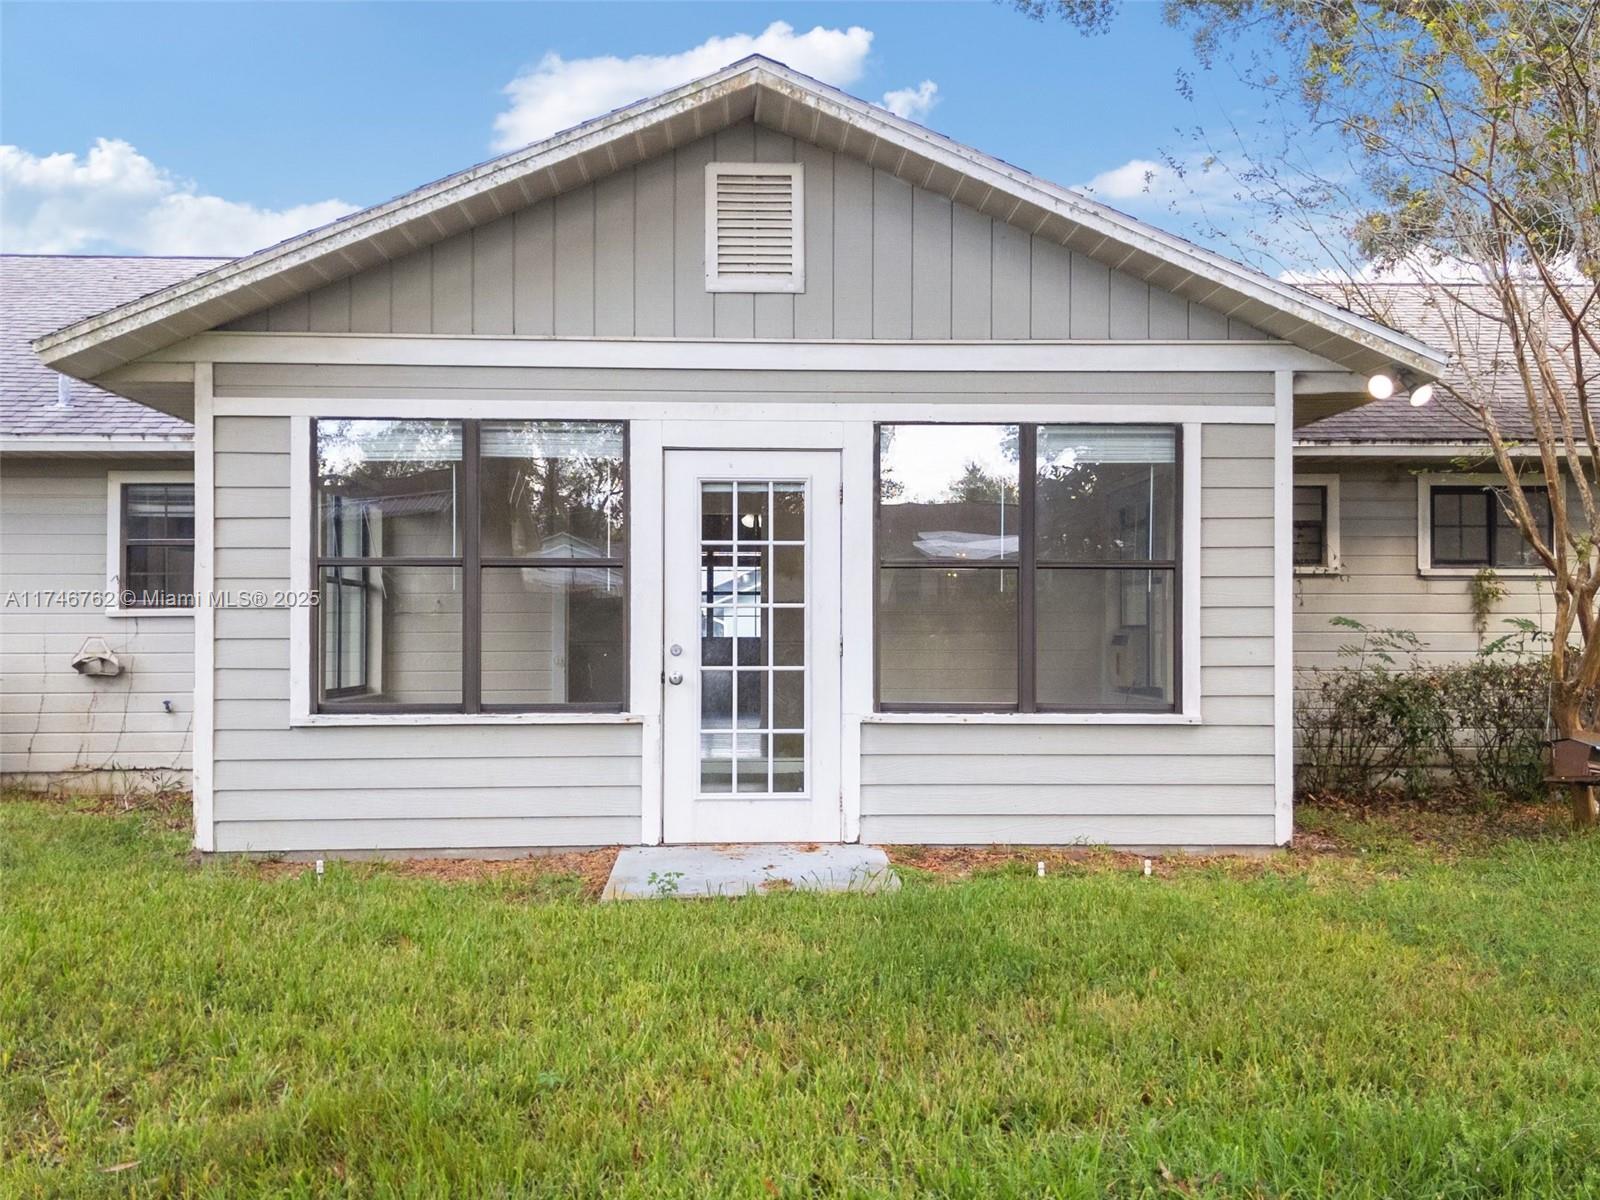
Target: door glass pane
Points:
(788, 762)
(752, 638)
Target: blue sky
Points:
(217, 128)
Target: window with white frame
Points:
(1028, 568)
(150, 541)
(1316, 523)
(469, 566)
(755, 227)
(1466, 526)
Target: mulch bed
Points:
(591, 866)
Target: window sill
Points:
(1004, 718)
(149, 612)
(1329, 570)
(1473, 572)
(529, 718)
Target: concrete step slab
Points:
(659, 872)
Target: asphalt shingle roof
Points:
(41, 293)
(1435, 316)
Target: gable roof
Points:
(39, 293)
(1434, 313)
(779, 98)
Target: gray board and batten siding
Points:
(625, 257)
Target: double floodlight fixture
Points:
(1384, 384)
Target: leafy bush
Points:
(1385, 720)
(1494, 740)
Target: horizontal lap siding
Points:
(1210, 784)
(53, 720)
(372, 787)
(1380, 586)
(625, 256)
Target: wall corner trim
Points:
(205, 541)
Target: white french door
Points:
(751, 717)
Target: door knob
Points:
(675, 677)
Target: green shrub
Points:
(1383, 720)
(1370, 723)
(1494, 739)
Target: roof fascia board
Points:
(94, 445)
(1393, 450)
(254, 271)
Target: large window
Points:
(1027, 568)
(155, 560)
(1470, 527)
(470, 566)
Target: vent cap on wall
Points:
(755, 227)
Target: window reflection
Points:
(948, 492)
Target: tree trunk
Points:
(1585, 808)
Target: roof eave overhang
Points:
(95, 445)
(781, 99)
(1441, 448)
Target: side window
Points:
(1470, 527)
(1310, 525)
(1316, 524)
(156, 557)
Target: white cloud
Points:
(912, 103)
(1133, 179)
(1199, 183)
(559, 93)
(114, 199)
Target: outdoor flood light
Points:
(1421, 395)
(1380, 386)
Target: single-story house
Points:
(748, 464)
(75, 460)
(1394, 527)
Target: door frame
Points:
(744, 426)
(688, 814)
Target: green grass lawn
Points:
(1389, 1021)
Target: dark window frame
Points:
(1026, 568)
(125, 542)
(1489, 494)
(471, 563)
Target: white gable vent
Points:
(755, 225)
